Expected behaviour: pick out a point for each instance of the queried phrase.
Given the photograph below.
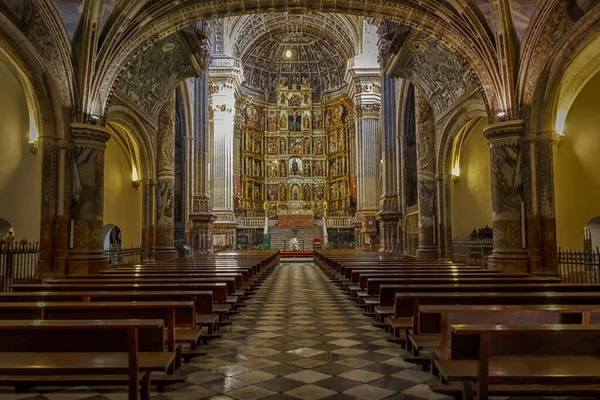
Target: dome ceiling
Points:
(320, 46)
(310, 59)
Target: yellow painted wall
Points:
(472, 196)
(122, 202)
(20, 185)
(577, 168)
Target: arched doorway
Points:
(112, 237)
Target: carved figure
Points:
(307, 192)
(282, 169)
(282, 193)
(306, 145)
(307, 169)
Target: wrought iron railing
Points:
(118, 256)
(339, 222)
(251, 222)
(472, 252)
(19, 264)
(579, 266)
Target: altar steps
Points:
(280, 237)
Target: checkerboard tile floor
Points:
(298, 338)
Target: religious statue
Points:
(341, 141)
(340, 166)
(272, 193)
(306, 122)
(283, 99)
(306, 145)
(333, 168)
(295, 195)
(272, 122)
(318, 192)
(295, 168)
(282, 193)
(282, 169)
(282, 146)
(318, 120)
(272, 169)
(334, 191)
(342, 191)
(306, 97)
(10, 240)
(318, 145)
(318, 168)
(283, 122)
(272, 146)
(307, 192)
(333, 143)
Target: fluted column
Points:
(165, 225)
(506, 151)
(427, 185)
(225, 79)
(202, 216)
(86, 254)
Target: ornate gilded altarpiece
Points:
(296, 157)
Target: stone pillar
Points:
(86, 254)
(426, 178)
(149, 220)
(444, 225)
(389, 212)
(165, 196)
(225, 77)
(509, 252)
(201, 217)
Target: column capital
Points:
(89, 135)
(506, 131)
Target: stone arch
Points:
(478, 50)
(550, 85)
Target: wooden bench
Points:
(505, 360)
(202, 301)
(433, 332)
(88, 352)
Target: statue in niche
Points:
(257, 168)
(334, 191)
(333, 143)
(342, 191)
(283, 122)
(307, 192)
(295, 193)
(318, 168)
(257, 193)
(272, 146)
(333, 168)
(306, 145)
(282, 193)
(318, 120)
(307, 169)
(272, 124)
(306, 122)
(250, 187)
(295, 167)
(283, 99)
(282, 169)
(272, 193)
(282, 146)
(307, 98)
(318, 145)
(340, 166)
(341, 141)
(318, 193)
(295, 101)
(272, 169)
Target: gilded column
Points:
(426, 185)
(506, 141)
(165, 196)
(225, 78)
(86, 253)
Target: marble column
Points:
(86, 253)
(426, 179)
(201, 217)
(165, 195)
(149, 220)
(506, 151)
(225, 78)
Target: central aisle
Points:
(300, 337)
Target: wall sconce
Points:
(456, 173)
(135, 180)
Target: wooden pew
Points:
(505, 360)
(202, 301)
(433, 332)
(85, 352)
